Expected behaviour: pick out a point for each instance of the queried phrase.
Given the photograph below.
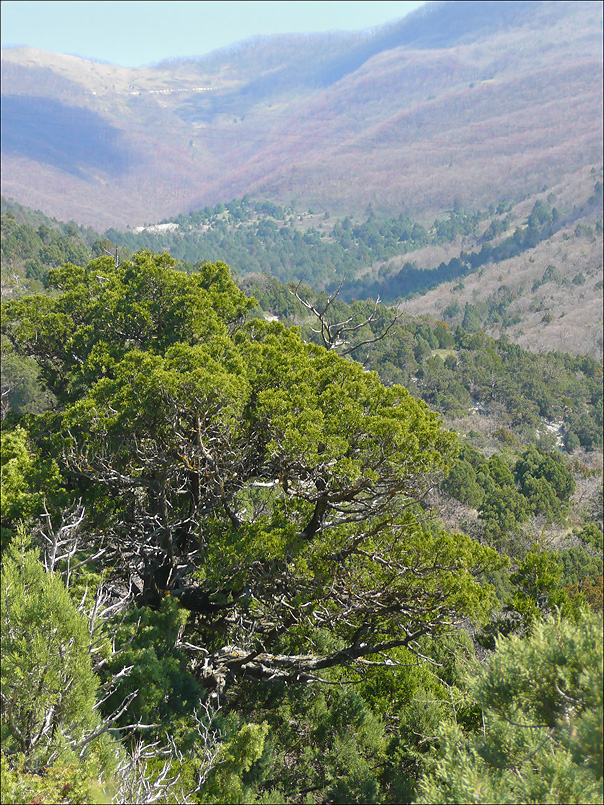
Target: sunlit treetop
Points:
(272, 486)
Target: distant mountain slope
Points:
(460, 102)
(530, 273)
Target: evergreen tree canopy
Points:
(269, 485)
(541, 700)
(49, 715)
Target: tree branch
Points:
(336, 334)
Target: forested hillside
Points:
(302, 415)
(509, 269)
(278, 576)
(459, 103)
(443, 362)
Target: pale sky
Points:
(132, 34)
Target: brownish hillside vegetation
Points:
(459, 103)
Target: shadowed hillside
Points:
(43, 129)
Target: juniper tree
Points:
(271, 486)
(541, 699)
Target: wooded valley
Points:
(302, 417)
(272, 571)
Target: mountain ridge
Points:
(508, 99)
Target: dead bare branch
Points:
(335, 335)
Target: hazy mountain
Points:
(459, 103)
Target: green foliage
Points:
(550, 467)
(31, 250)
(529, 386)
(579, 565)
(235, 758)
(571, 442)
(100, 314)
(541, 699)
(349, 737)
(28, 480)
(546, 482)
(503, 510)
(494, 373)
(542, 223)
(48, 687)
(166, 689)
(21, 385)
(59, 782)
(46, 670)
(591, 535)
(500, 471)
(253, 236)
(257, 236)
(537, 588)
(261, 494)
(462, 484)
(540, 484)
(17, 502)
(472, 320)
